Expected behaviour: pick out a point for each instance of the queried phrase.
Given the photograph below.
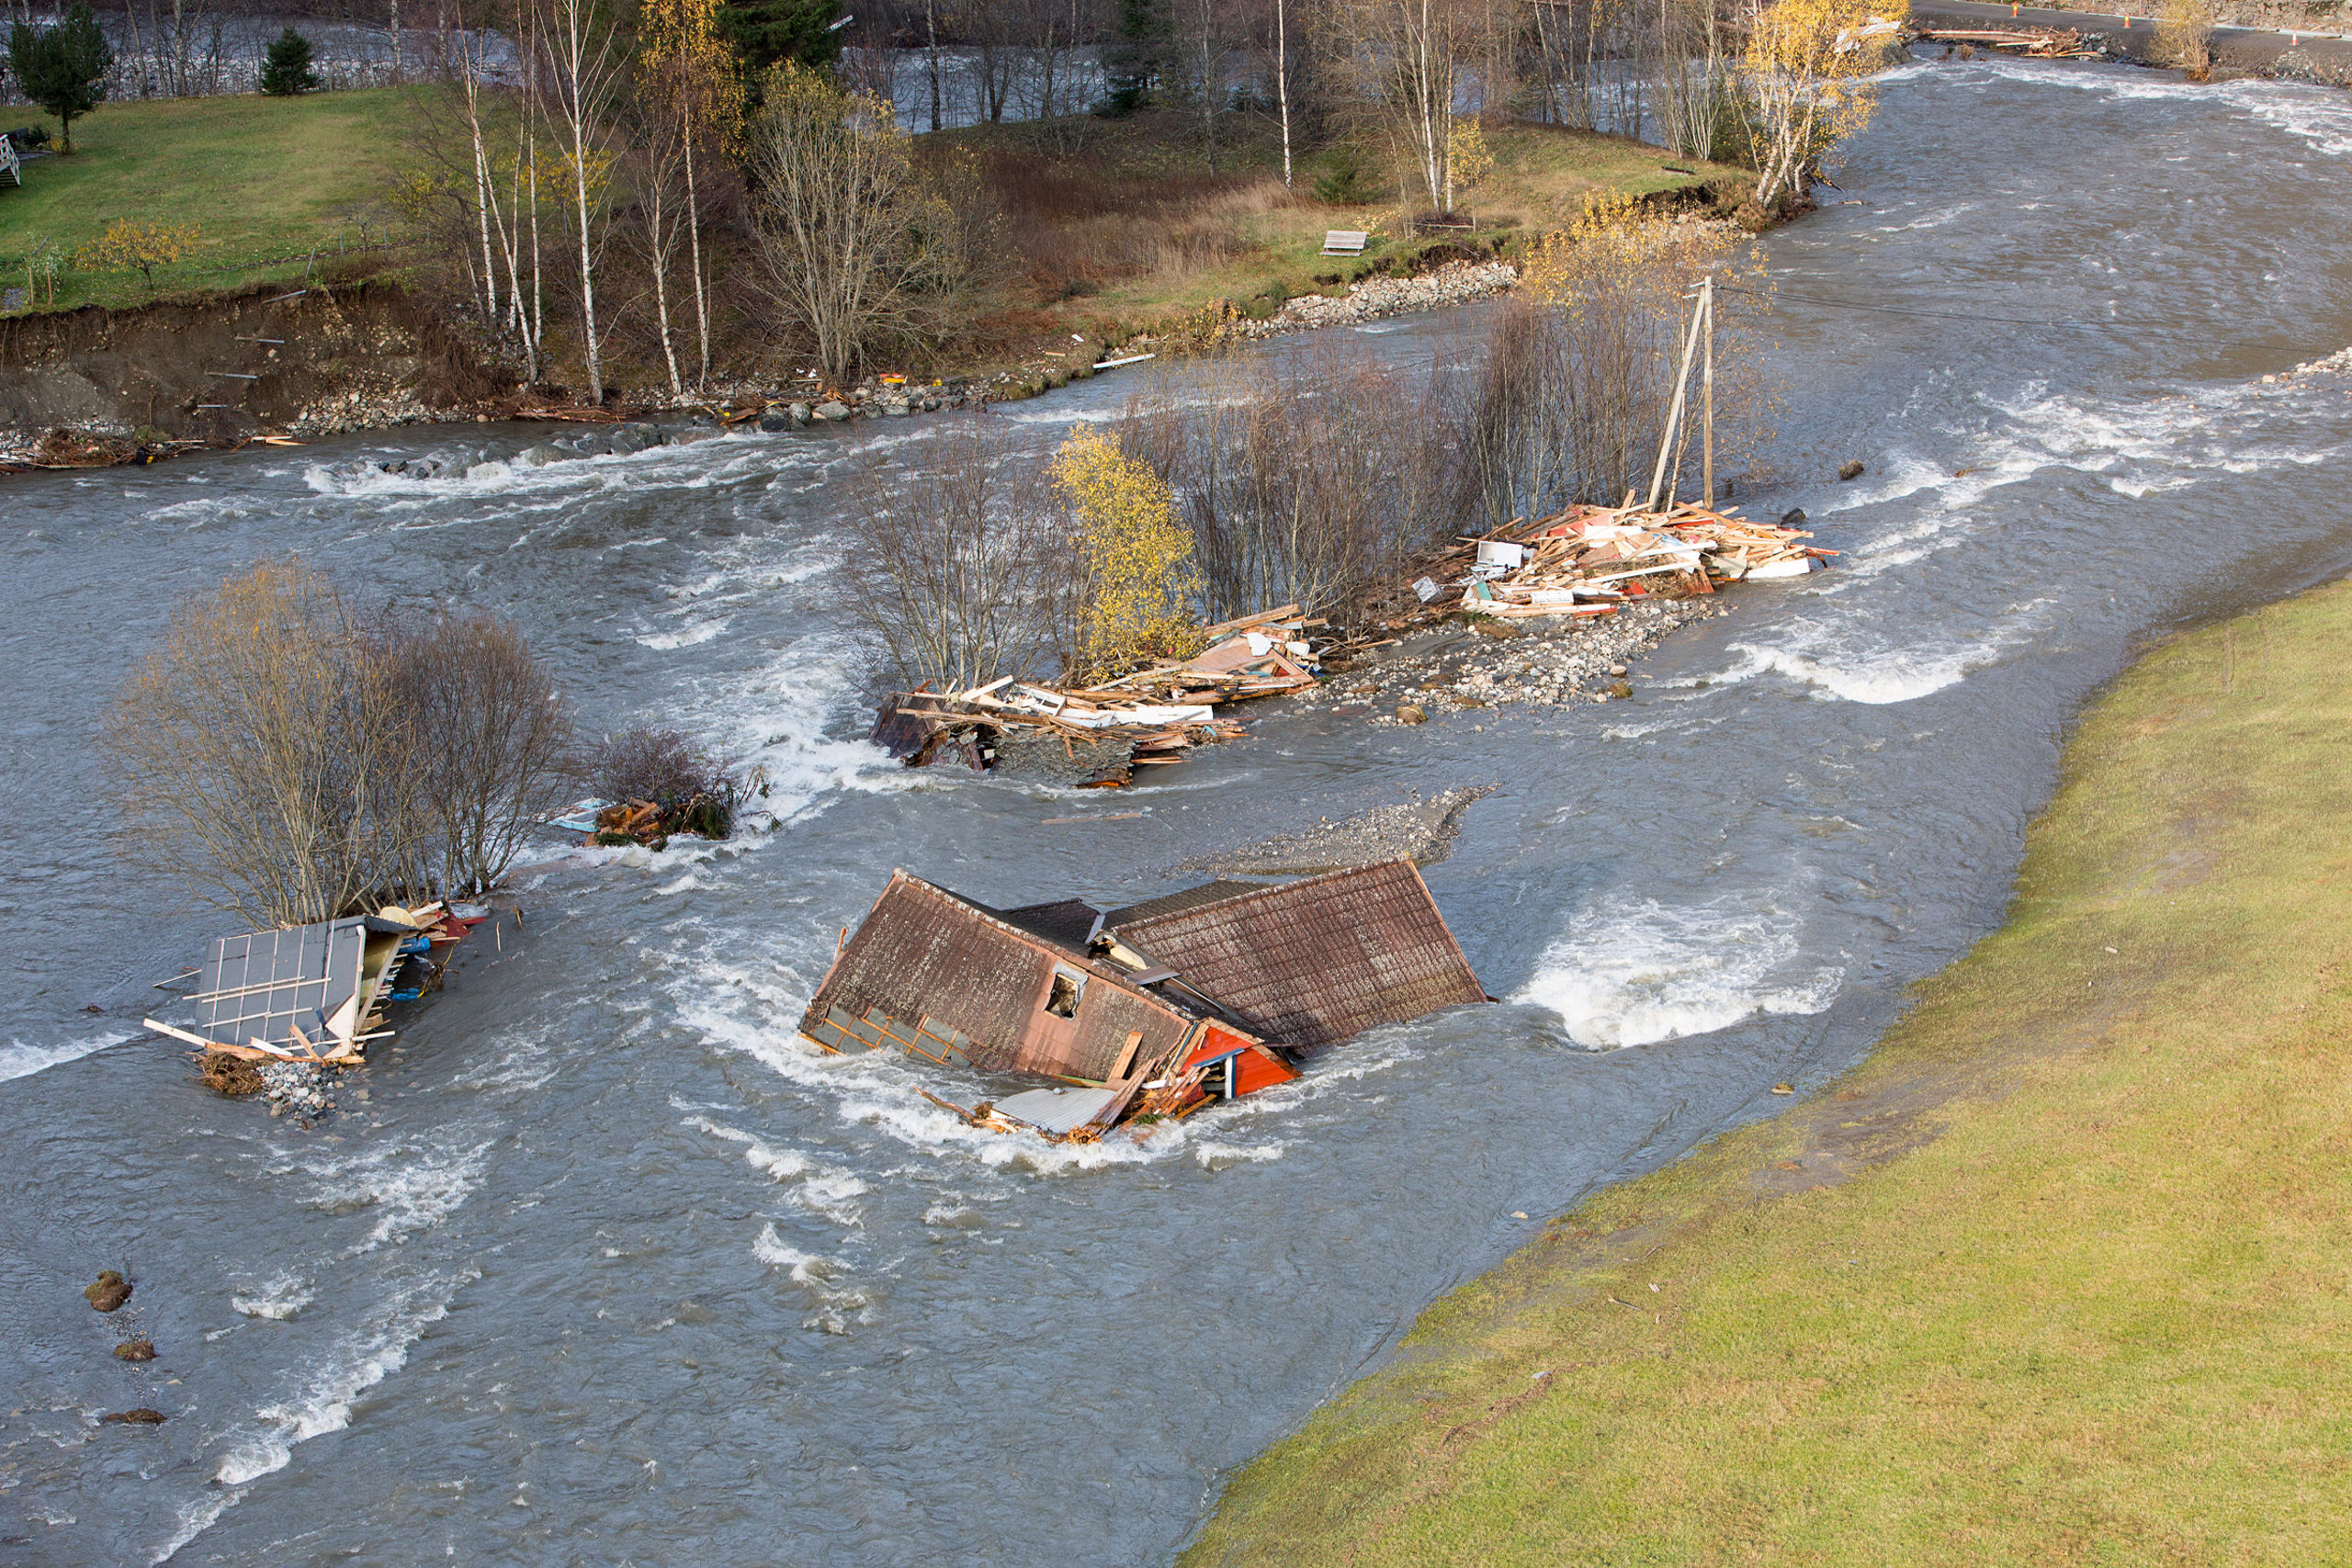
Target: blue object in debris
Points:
(406, 996)
(415, 946)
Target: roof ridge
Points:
(1279, 887)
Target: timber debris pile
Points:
(1098, 735)
(1138, 1015)
(274, 1009)
(1592, 560)
(2035, 43)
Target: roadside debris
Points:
(275, 1010)
(2040, 44)
(1097, 736)
(1143, 1014)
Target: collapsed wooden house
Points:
(1148, 1011)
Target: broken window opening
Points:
(1062, 1000)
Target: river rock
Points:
(141, 1417)
(633, 438)
(537, 456)
(1407, 714)
(1853, 470)
(830, 409)
(801, 413)
(109, 1291)
(1793, 518)
(135, 1350)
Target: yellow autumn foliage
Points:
(1136, 556)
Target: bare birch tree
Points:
(586, 59)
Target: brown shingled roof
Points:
(1321, 961)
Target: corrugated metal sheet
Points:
(1319, 961)
(1055, 1110)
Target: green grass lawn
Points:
(262, 178)
(1125, 225)
(2062, 1274)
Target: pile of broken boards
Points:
(316, 994)
(1097, 736)
(1589, 560)
(1139, 1014)
(2039, 43)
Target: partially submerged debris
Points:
(1141, 1013)
(108, 1291)
(1588, 560)
(315, 994)
(135, 1350)
(1099, 735)
(141, 1417)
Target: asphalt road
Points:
(2249, 48)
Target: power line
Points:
(1906, 311)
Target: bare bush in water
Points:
(1302, 477)
(955, 566)
(257, 756)
(287, 761)
(665, 767)
(1574, 387)
(490, 740)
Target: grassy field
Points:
(262, 178)
(1117, 225)
(2062, 1274)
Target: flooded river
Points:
(608, 1269)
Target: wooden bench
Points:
(1344, 241)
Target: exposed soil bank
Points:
(216, 370)
(2056, 1274)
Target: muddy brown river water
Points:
(608, 1269)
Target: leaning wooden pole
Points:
(1674, 409)
(1707, 381)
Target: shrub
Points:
(286, 70)
(1345, 180)
(693, 789)
(291, 762)
(953, 567)
(1137, 579)
(140, 245)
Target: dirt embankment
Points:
(218, 370)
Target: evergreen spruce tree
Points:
(64, 69)
(287, 70)
(769, 32)
(1133, 64)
